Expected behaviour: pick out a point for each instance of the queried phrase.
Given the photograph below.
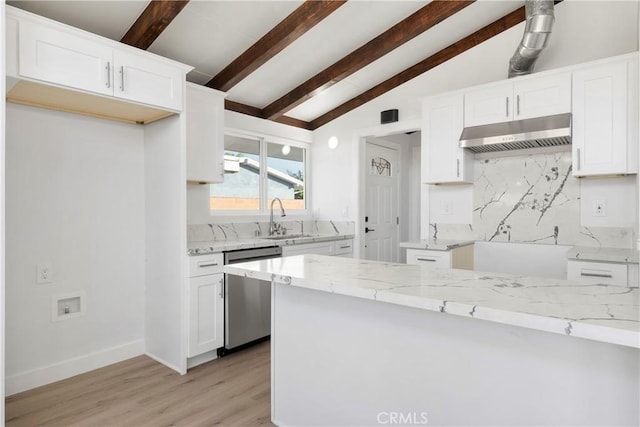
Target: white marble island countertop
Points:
(603, 313)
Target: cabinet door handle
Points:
(578, 159)
(426, 259)
(221, 294)
(507, 109)
(222, 168)
(605, 275)
(210, 264)
(108, 67)
(518, 105)
(457, 168)
(122, 78)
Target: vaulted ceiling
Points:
(302, 63)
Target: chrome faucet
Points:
(273, 227)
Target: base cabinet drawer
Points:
(343, 248)
(435, 259)
(598, 272)
(200, 265)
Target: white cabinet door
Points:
(63, 58)
(605, 119)
(144, 79)
(443, 160)
(542, 96)
(488, 105)
(522, 98)
(206, 314)
(429, 258)
(205, 134)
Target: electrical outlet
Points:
(447, 207)
(44, 273)
(600, 207)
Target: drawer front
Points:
(200, 265)
(597, 272)
(435, 259)
(343, 247)
(324, 248)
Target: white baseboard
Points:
(23, 381)
(194, 361)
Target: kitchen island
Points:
(357, 342)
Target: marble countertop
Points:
(216, 246)
(585, 253)
(604, 313)
(436, 244)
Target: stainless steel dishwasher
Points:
(247, 302)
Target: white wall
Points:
(583, 31)
(74, 199)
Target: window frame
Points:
(264, 210)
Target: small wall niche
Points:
(67, 306)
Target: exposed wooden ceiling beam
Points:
(301, 20)
(257, 112)
(152, 21)
(405, 30)
(425, 65)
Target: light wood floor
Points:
(231, 391)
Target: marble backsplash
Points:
(530, 199)
(244, 230)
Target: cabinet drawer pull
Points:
(122, 78)
(345, 247)
(605, 275)
(426, 259)
(108, 67)
(211, 264)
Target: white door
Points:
(381, 214)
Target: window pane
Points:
(241, 187)
(286, 175)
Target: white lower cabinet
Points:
(343, 248)
(603, 273)
(461, 257)
(435, 259)
(206, 304)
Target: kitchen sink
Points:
(287, 236)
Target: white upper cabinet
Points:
(605, 116)
(62, 57)
(146, 79)
(205, 134)
(443, 161)
(518, 99)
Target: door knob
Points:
(367, 229)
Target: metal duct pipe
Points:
(539, 16)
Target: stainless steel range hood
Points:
(548, 131)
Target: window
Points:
(258, 170)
